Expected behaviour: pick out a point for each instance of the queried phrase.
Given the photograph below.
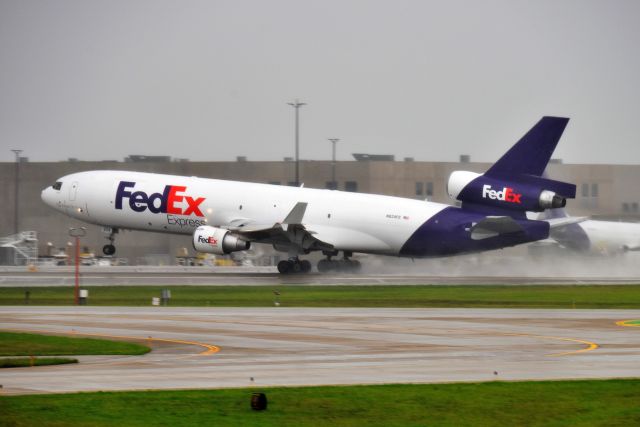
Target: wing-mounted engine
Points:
(213, 240)
(521, 192)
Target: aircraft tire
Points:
(295, 267)
(109, 249)
(284, 267)
(305, 266)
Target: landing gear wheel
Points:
(346, 264)
(110, 249)
(305, 266)
(295, 266)
(284, 267)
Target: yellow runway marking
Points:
(590, 345)
(633, 323)
(210, 349)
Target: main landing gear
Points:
(294, 265)
(345, 264)
(110, 249)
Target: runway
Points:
(242, 347)
(251, 276)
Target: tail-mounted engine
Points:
(521, 192)
(217, 241)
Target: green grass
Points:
(560, 403)
(22, 362)
(492, 296)
(21, 344)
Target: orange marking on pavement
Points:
(590, 345)
(636, 323)
(210, 348)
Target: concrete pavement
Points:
(314, 346)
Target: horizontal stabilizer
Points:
(551, 213)
(493, 226)
(563, 222)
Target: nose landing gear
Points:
(294, 265)
(110, 249)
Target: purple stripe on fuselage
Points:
(449, 233)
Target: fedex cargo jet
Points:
(227, 216)
(594, 236)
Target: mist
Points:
(516, 262)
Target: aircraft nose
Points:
(48, 197)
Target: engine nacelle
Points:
(458, 180)
(522, 192)
(550, 200)
(213, 240)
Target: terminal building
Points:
(603, 192)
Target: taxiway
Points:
(240, 347)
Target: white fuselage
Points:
(349, 221)
(612, 237)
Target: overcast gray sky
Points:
(209, 80)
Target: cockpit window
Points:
(57, 185)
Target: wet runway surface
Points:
(203, 276)
(227, 347)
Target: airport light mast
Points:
(334, 184)
(16, 188)
(297, 106)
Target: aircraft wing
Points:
(289, 232)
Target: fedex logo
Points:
(210, 240)
(166, 202)
(506, 194)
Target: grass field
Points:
(21, 344)
(547, 296)
(560, 403)
(23, 362)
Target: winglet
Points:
(531, 154)
(296, 214)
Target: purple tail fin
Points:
(532, 153)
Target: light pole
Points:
(334, 184)
(16, 188)
(77, 233)
(297, 104)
